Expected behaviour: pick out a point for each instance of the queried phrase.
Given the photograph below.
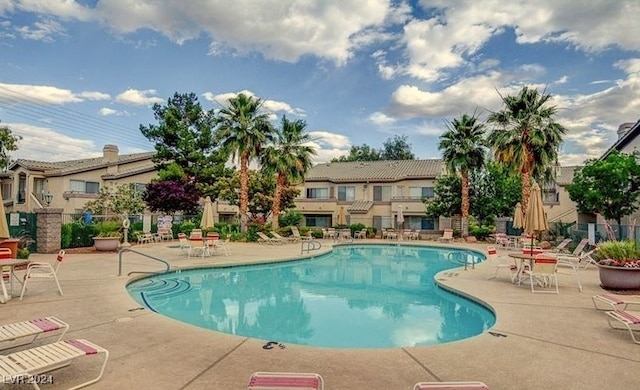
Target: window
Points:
(346, 193)
(317, 193)
(318, 220)
(139, 188)
(381, 193)
(88, 187)
(22, 188)
(382, 222)
(6, 190)
(550, 195)
(419, 223)
(421, 192)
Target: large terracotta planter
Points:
(619, 278)
(11, 243)
(106, 243)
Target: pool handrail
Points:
(311, 245)
(142, 254)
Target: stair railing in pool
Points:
(462, 258)
(310, 245)
(141, 254)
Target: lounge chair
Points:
(23, 366)
(40, 270)
(282, 238)
(583, 259)
(614, 302)
(264, 239)
(450, 386)
(285, 380)
(296, 233)
(499, 262)
(145, 238)
(561, 247)
(30, 330)
(629, 319)
(447, 236)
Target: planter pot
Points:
(106, 243)
(619, 278)
(11, 243)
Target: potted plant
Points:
(619, 265)
(108, 237)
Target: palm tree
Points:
(289, 157)
(463, 152)
(526, 138)
(243, 130)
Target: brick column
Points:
(48, 230)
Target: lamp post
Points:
(48, 197)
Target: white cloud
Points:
(43, 30)
(381, 119)
(272, 107)
(139, 97)
(38, 94)
(328, 145)
(49, 145)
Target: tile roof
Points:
(58, 168)
(362, 171)
(624, 140)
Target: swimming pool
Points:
(357, 296)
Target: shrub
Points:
(290, 218)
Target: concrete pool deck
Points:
(539, 341)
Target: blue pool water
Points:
(359, 296)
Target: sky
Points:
(77, 75)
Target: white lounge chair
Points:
(450, 386)
(23, 366)
(282, 238)
(447, 236)
(296, 233)
(285, 380)
(30, 330)
(561, 247)
(37, 270)
(629, 319)
(263, 238)
(614, 302)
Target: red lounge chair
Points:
(285, 380)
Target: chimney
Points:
(624, 128)
(110, 156)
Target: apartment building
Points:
(70, 184)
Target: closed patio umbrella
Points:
(518, 219)
(535, 220)
(207, 214)
(400, 217)
(4, 226)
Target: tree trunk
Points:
(244, 191)
(465, 204)
(275, 210)
(526, 191)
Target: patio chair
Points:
(30, 330)
(447, 236)
(629, 319)
(496, 263)
(614, 302)
(165, 234)
(285, 380)
(145, 238)
(264, 239)
(25, 366)
(450, 386)
(360, 234)
(502, 239)
(41, 270)
(543, 273)
(183, 242)
(224, 246)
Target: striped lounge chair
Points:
(629, 319)
(450, 386)
(614, 302)
(285, 380)
(24, 366)
(26, 332)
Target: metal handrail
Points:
(461, 260)
(311, 245)
(142, 254)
